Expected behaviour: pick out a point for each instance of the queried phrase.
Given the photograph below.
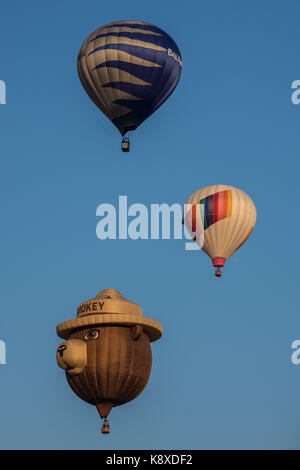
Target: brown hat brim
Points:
(152, 327)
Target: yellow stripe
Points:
(117, 110)
(122, 95)
(125, 22)
(105, 55)
(105, 41)
(125, 29)
(110, 74)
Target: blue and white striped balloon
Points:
(128, 69)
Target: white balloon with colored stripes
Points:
(220, 218)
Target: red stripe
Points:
(194, 216)
(216, 205)
(223, 207)
(220, 205)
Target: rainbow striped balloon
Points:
(220, 218)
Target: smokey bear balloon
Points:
(107, 354)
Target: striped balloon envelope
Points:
(128, 69)
(220, 218)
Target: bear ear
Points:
(136, 331)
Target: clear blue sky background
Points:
(222, 375)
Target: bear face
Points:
(106, 363)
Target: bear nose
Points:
(61, 349)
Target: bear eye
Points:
(92, 334)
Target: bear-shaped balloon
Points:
(107, 355)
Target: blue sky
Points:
(222, 375)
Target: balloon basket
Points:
(105, 427)
(125, 146)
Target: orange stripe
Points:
(220, 206)
(247, 236)
(225, 204)
(229, 213)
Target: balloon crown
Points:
(108, 301)
(110, 294)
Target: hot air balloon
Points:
(128, 69)
(106, 353)
(220, 218)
